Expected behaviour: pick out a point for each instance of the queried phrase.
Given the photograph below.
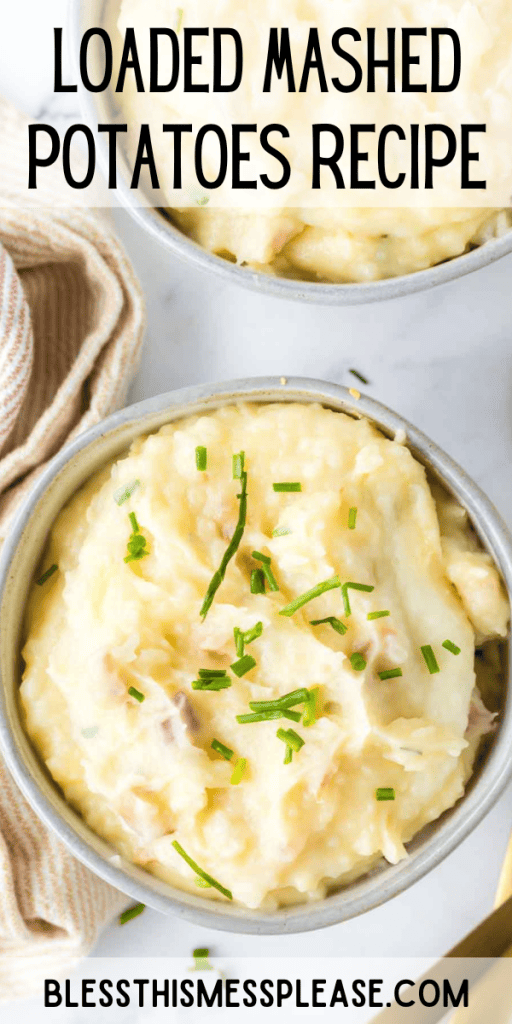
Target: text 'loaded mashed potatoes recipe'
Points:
(250, 661)
(318, 236)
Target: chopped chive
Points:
(201, 458)
(311, 707)
(288, 700)
(179, 19)
(353, 586)
(260, 716)
(293, 716)
(254, 633)
(201, 954)
(377, 615)
(261, 558)
(47, 575)
(430, 659)
(285, 488)
(137, 695)
(355, 373)
(238, 465)
(358, 662)
(281, 531)
(239, 642)
(213, 685)
(200, 882)
(243, 665)
(352, 517)
(270, 578)
(124, 493)
(219, 748)
(199, 871)
(288, 755)
(336, 624)
(232, 548)
(385, 794)
(321, 588)
(133, 520)
(392, 673)
(212, 673)
(201, 962)
(291, 738)
(257, 582)
(137, 543)
(451, 647)
(238, 773)
(131, 913)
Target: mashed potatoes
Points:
(115, 649)
(300, 237)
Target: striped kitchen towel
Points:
(71, 328)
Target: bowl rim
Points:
(366, 893)
(155, 224)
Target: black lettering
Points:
(415, 163)
(250, 998)
(339, 995)
(327, 161)
(92, 33)
(187, 990)
(52, 996)
(279, 55)
(272, 151)
(77, 129)
(156, 34)
(266, 988)
(141, 982)
(218, 35)
(318, 990)
(398, 989)
(238, 156)
(231, 991)
(340, 52)
(468, 157)
(145, 158)
(223, 163)
(178, 131)
(87, 990)
(437, 993)
(381, 158)
(313, 60)
(356, 157)
(57, 80)
(358, 988)
(105, 987)
(209, 999)
(388, 62)
(430, 160)
(35, 161)
(69, 1002)
(375, 990)
(437, 33)
(123, 988)
(190, 59)
(112, 130)
(408, 59)
(284, 989)
(449, 997)
(130, 62)
(161, 993)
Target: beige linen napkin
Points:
(71, 326)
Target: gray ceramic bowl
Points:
(20, 557)
(97, 108)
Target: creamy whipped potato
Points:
(322, 243)
(115, 648)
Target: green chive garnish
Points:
(261, 558)
(243, 665)
(270, 578)
(199, 871)
(377, 615)
(285, 488)
(211, 685)
(137, 695)
(321, 588)
(137, 543)
(452, 648)
(131, 913)
(201, 458)
(430, 659)
(288, 755)
(311, 707)
(239, 642)
(268, 716)
(352, 517)
(238, 465)
(355, 373)
(238, 773)
(201, 962)
(233, 546)
(219, 747)
(288, 700)
(124, 493)
(385, 794)
(336, 624)
(291, 738)
(179, 19)
(254, 633)
(392, 673)
(212, 673)
(133, 520)
(257, 582)
(281, 531)
(353, 586)
(357, 661)
(201, 884)
(47, 575)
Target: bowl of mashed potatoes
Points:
(254, 653)
(335, 253)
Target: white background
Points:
(443, 359)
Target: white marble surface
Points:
(443, 359)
